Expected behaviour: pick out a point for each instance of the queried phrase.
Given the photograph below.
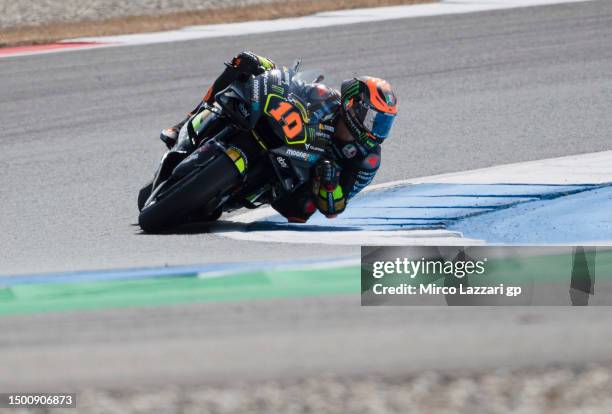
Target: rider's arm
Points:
(348, 180)
(328, 191)
(358, 174)
(241, 67)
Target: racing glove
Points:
(248, 63)
(241, 67)
(329, 194)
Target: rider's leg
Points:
(170, 135)
(241, 67)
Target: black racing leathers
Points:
(356, 164)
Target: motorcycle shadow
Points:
(229, 226)
(223, 226)
(194, 227)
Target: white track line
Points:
(591, 168)
(325, 19)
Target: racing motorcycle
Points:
(257, 144)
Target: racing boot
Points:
(170, 135)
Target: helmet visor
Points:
(378, 123)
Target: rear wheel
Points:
(201, 188)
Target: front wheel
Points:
(196, 190)
(144, 194)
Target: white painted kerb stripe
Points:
(326, 19)
(336, 18)
(593, 168)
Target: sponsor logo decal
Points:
(278, 89)
(295, 153)
(265, 84)
(255, 90)
(349, 150)
(243, 110)
(372, 160)
(311, 147)
(323, 135)
(326, 127)
(281, 161)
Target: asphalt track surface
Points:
(216, 344)
(79, 129)
(79, 135)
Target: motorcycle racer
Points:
(355, 120)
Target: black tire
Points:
(191, 193)
(206, 216)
